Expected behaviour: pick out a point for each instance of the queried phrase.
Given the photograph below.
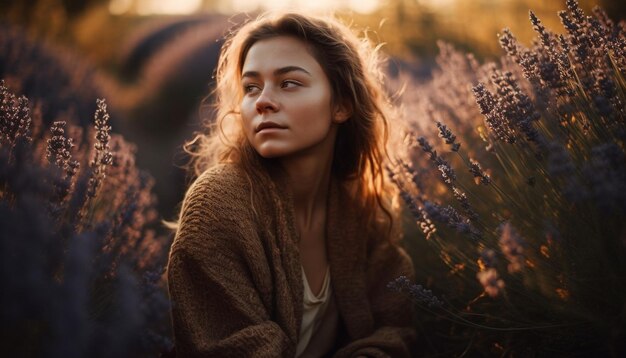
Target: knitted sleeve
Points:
(394, 333)
(216, 309)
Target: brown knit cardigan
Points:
(235, 277)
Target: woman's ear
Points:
(342, 112)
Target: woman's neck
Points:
(309, 179)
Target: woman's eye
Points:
(249, 88)
(290, 84)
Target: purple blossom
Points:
(515, 109)
(102, 157)
(513, 247)
(477, 172)
(15, 122)
(510, 45)
(491, 282)
(426, 147)
(418, 293)
(548, 66)
(447, 173)
(446, 133)
(461, 197)
(580, 41)
(423, 222)
(58, 152)
(488, 258)
(499, 125)
(451, 217)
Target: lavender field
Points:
(509, 150)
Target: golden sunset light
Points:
(313, 178)
(182, 7)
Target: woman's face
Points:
(286, 104)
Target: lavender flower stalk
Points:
(103, 157)
(417, 292)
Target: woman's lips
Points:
(268, 125)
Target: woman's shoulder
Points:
(228, 178)
(214, 211)
(220, 189)
(220, 175)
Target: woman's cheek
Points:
(247, 115)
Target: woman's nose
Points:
(265, 102)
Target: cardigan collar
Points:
(345, 247)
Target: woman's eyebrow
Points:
(277, 72)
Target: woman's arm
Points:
(217, 313)
(216, 309)
(393, 312)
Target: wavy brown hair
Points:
(353, 67)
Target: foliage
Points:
(524, 200)
(59, 80)
(81, 268)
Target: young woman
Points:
(287, 238)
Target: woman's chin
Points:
(270, 153)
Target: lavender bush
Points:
(81, 267)
(516, 174)
(58, 79)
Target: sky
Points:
(153, 7)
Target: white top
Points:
(319, 320)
